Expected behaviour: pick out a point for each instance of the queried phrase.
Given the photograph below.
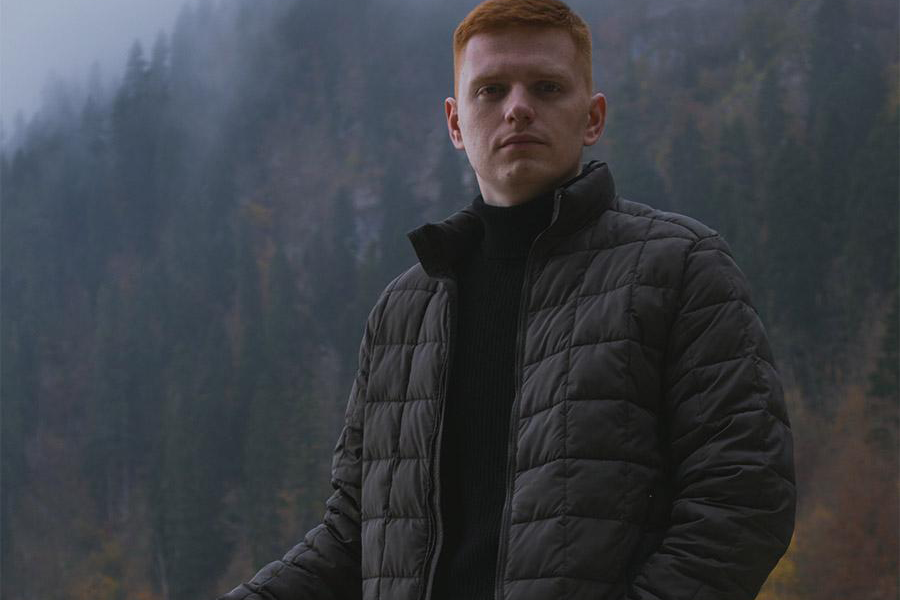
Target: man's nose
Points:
(518, 106)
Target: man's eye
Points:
(548, 87)
(488, 90)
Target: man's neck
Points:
(515, 195)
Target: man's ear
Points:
(596, 119)
(453, 123)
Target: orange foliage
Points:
(855, 549)
(845, 544)
(113, 568)
(96, 579)
(260, 215)
(95, 586)
(783, 581)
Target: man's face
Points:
(523, 112)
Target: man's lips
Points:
(520, 140)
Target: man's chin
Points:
(532, 174)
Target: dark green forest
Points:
(188, 259)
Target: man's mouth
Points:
(521, 141)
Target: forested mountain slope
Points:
(188, 260)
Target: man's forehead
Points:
(524, 50)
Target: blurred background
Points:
(191, 244)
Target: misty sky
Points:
(40, 37)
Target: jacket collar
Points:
(579, 200)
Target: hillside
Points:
(188, 260)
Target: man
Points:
(570, 395)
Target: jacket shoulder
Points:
(631, 214)
(412, 279)
(407, 294)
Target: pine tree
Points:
(770, 115)
(737, 206)
(637, 176)
(399, 215)
(884, 388)
(691, 176)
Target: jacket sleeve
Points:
(326, 564)
(729, 443)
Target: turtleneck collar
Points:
(439, 245)
(510, 230)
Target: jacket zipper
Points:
(514, 411)
(433, 495)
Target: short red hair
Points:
(495, 15)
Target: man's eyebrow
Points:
(541, 73)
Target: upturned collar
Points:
(440, 245)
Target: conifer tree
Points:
(736, 203)
(690, 175)
(770, 115)
(637, 176)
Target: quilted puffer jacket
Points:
(650, 452)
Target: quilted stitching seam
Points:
(712, 304)
(408, 343)
(585, 517)
(365, 518)
(395, 290)
(569, 577)
(687, 255)
(389, 400)
(600, 249)
(396, 461)
(715, 364)
(600, 293)
(590, 458)
(629, 423)
(386, 296)
(591, 343)
(565, 417)
(656, 215)
(382, 306)
(553, 404)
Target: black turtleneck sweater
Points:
(480, 393)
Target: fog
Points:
(46, 40)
